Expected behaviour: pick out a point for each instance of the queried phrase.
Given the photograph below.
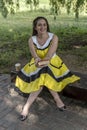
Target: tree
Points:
(75, 6)
(55, 6)
(11, 6)
(35, 3)
(79, 4)
(8, 6)
(70, 5)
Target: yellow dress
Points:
(55, 76)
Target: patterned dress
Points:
(55, 76)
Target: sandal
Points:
(22, 117)
(63, 108)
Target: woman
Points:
(53, 74)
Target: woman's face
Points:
(41, 26)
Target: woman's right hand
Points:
(37, 59)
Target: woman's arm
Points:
(52, 48)
(32, 48)
(33, 51)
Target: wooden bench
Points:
(77, 91)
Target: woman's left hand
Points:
(44, 62)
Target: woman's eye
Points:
(39, 24)
(42, 25)
(45, 25)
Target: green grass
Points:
(16, 29)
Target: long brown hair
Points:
(35, 23)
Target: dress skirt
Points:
(56, 76)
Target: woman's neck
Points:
(42, 35)
(42, 38)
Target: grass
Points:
(16, 29)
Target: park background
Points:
(16, 28)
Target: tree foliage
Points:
(55, 5)
(11, 6)
(70, 5)
(34, 3)
(8, 6)
(78, 4)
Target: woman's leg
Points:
(57, 99)
(29, 102)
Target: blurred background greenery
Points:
(16, 28)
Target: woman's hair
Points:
(35, 23)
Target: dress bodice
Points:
(46, 43)
(42, 49)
